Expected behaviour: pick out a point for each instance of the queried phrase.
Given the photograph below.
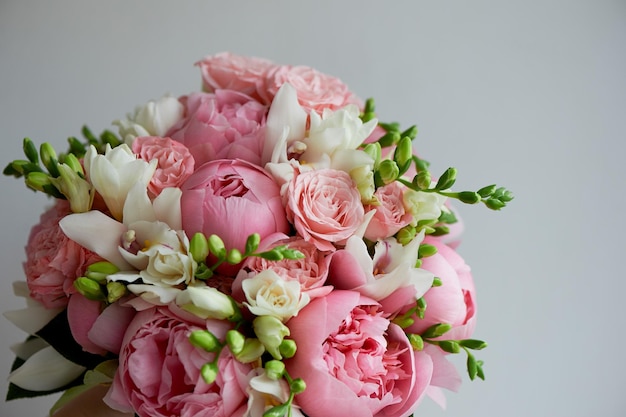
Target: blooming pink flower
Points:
(324, 207)
(53, 261)
(234, 72)
(354, 361)
(311, 271)
(232, 199)
(175, 163)
(390, 215)
(454, 302)
(159, 370)
(225, 124)
(316, 91)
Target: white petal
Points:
(33, 318)
(138, 205)
(97, 232)
(167, 208)
(285, 113)
(28, 348)
(45, 370)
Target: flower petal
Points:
(44, 371)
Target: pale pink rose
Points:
(390, 215)
(311, 271)
(232, 199)
(454, 302)
(316, 91)
(222, 125)
(175, 163)
(234, 72)
(354, 361)
(53, 261)
(159, 370)
(324, 206)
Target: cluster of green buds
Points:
(94, 285)
(200, 248)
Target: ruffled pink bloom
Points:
(159, 370)
(53, 261)
(454, 302)
(234, 72)
(316, 91)
(232, 199)
(324, 206)
(390, 215)
(311, 271)
(354, 361)
(175, 163)
(222, 125)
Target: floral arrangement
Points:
(264, 247)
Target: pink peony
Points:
(316, 91)
(390, 215)
(454, 302)
(232, 199)
(324, 207)
(234, 72)
(175, 163)
(222, 125)
(159, 370)
(53, 261)
(354, 361)
(311, 271)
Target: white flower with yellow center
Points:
(268, 294)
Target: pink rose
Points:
(159, 370)
(175, 163)
(390, 215)
(311, 271)
(234, 72)
(316, 91)
(354, 361)
(223, 125)
(232, 199)
(454, 301)
(324, 206)
(53, 261)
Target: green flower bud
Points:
(388, 171)
(450, 346)
(49, 158)
(209, 372)
(404, 153)
(99, 271)
(115, 291)
(473, 344)
(274, 369)
(252, 243)
(297, 386)
(422, 180)
(469, 197)
(271, 332)
(252, 350)
(406, 235)
(30, 151)
(487, 191)
(494, 204)
(89, 289)
(37, 180)
(374, 150)
(389, 138)
(436, 330)
(206, 340)
(287, 348)
(416, 341)
(411, 132)
(216, 246)
(447, 179)
(234, 256)
(280, 410)
(76, 189)
(199, 247)
(73, 162)
(404, 322)
(235, 341)
(426, 250)
(437, 282)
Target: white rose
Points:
(268, 294)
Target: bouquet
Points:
(263, 247)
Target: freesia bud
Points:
(447, 179)
(75, 188)
(49, 158)
(30, 151)
(297, 385)
(374, 150)
(287, 348)
(89, 288)
(115, 291)
(73, 162)
(280, 410)
(363, 176)
(406, 235)
(404, 152)
(99, 271)
(252, 350)
(416, 341)
(234, 256)
(252, 243)
(209, 372)
(469, 197)
(271, 332)
(37, 180)
(388, 171)
(235, 341)
(216, 246)
(199, 247)
(204, 339)
(423, 180)
(206, 302)
(274, 369)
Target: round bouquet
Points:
(263, 247)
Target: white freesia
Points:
(154, 118)
(423, 206)
(45, 370)
(151, 295)
(115, 173)
(268, 294)
(206, 302)
(392, 267)
(265, 393)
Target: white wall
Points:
(531, 94)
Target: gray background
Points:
(531, 94)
